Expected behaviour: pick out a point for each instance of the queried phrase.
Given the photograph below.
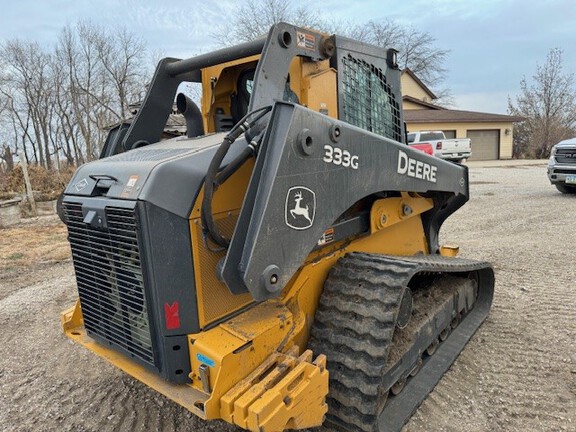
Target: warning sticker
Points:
(172, 316)
(327, 237)
(129, 186)
(305, 40)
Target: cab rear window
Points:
(431, 136)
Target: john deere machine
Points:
(279, 267)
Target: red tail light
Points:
(439, 145)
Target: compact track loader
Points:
(279, 267)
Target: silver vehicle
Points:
(562, 166)
(456, 149)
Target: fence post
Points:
(29, 191)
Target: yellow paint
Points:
(318, 87)
(314, 83)
(218, 83)
(284, 392)
(237, 347)
(390, 211)
(449, 250)
(72, 318)
(400, 236)
(214, 299)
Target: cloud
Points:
(492, 43)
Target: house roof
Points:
(422, 103)
(175, 124)
(455, 116)
(409, 72)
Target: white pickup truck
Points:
(457, 149)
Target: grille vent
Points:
(567, 156)
(214, 298)
(110, 281)
(368, 100)
(564, 171)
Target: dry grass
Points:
(34, 242)
(47, 184)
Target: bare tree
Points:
(101, 73)
(253, 19)
(31, 90)
(59, 103)
(548, 104)
(82, 85)
(5, 150)
(417, 49)
(18, 122)
(122, 57)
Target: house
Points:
(491, 134)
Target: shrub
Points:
(46, 184)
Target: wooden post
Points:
(29, 191)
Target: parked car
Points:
(562, 166)
(456, 149)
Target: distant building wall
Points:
(411, 87)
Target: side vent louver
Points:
(110, 280)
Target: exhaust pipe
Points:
(192, 114)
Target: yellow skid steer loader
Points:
(278, 267)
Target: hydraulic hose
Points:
(249, 151)
(213, 179)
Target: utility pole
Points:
(29, 191)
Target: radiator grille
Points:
(368, 101)
(110, 282)
(567, 156)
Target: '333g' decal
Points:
(340, 157)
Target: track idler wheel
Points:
(445, 333)
(416, 367)
(455, 321)
(398, 386)
(432, 348)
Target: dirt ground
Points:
(517, 374)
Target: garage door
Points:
(485, 144)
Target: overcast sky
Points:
(492, 43)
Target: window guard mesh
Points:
(368, 101)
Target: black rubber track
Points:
(354, 326)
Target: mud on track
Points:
(517, 374)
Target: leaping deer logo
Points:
(300, 208)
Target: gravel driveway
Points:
(517, 374)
